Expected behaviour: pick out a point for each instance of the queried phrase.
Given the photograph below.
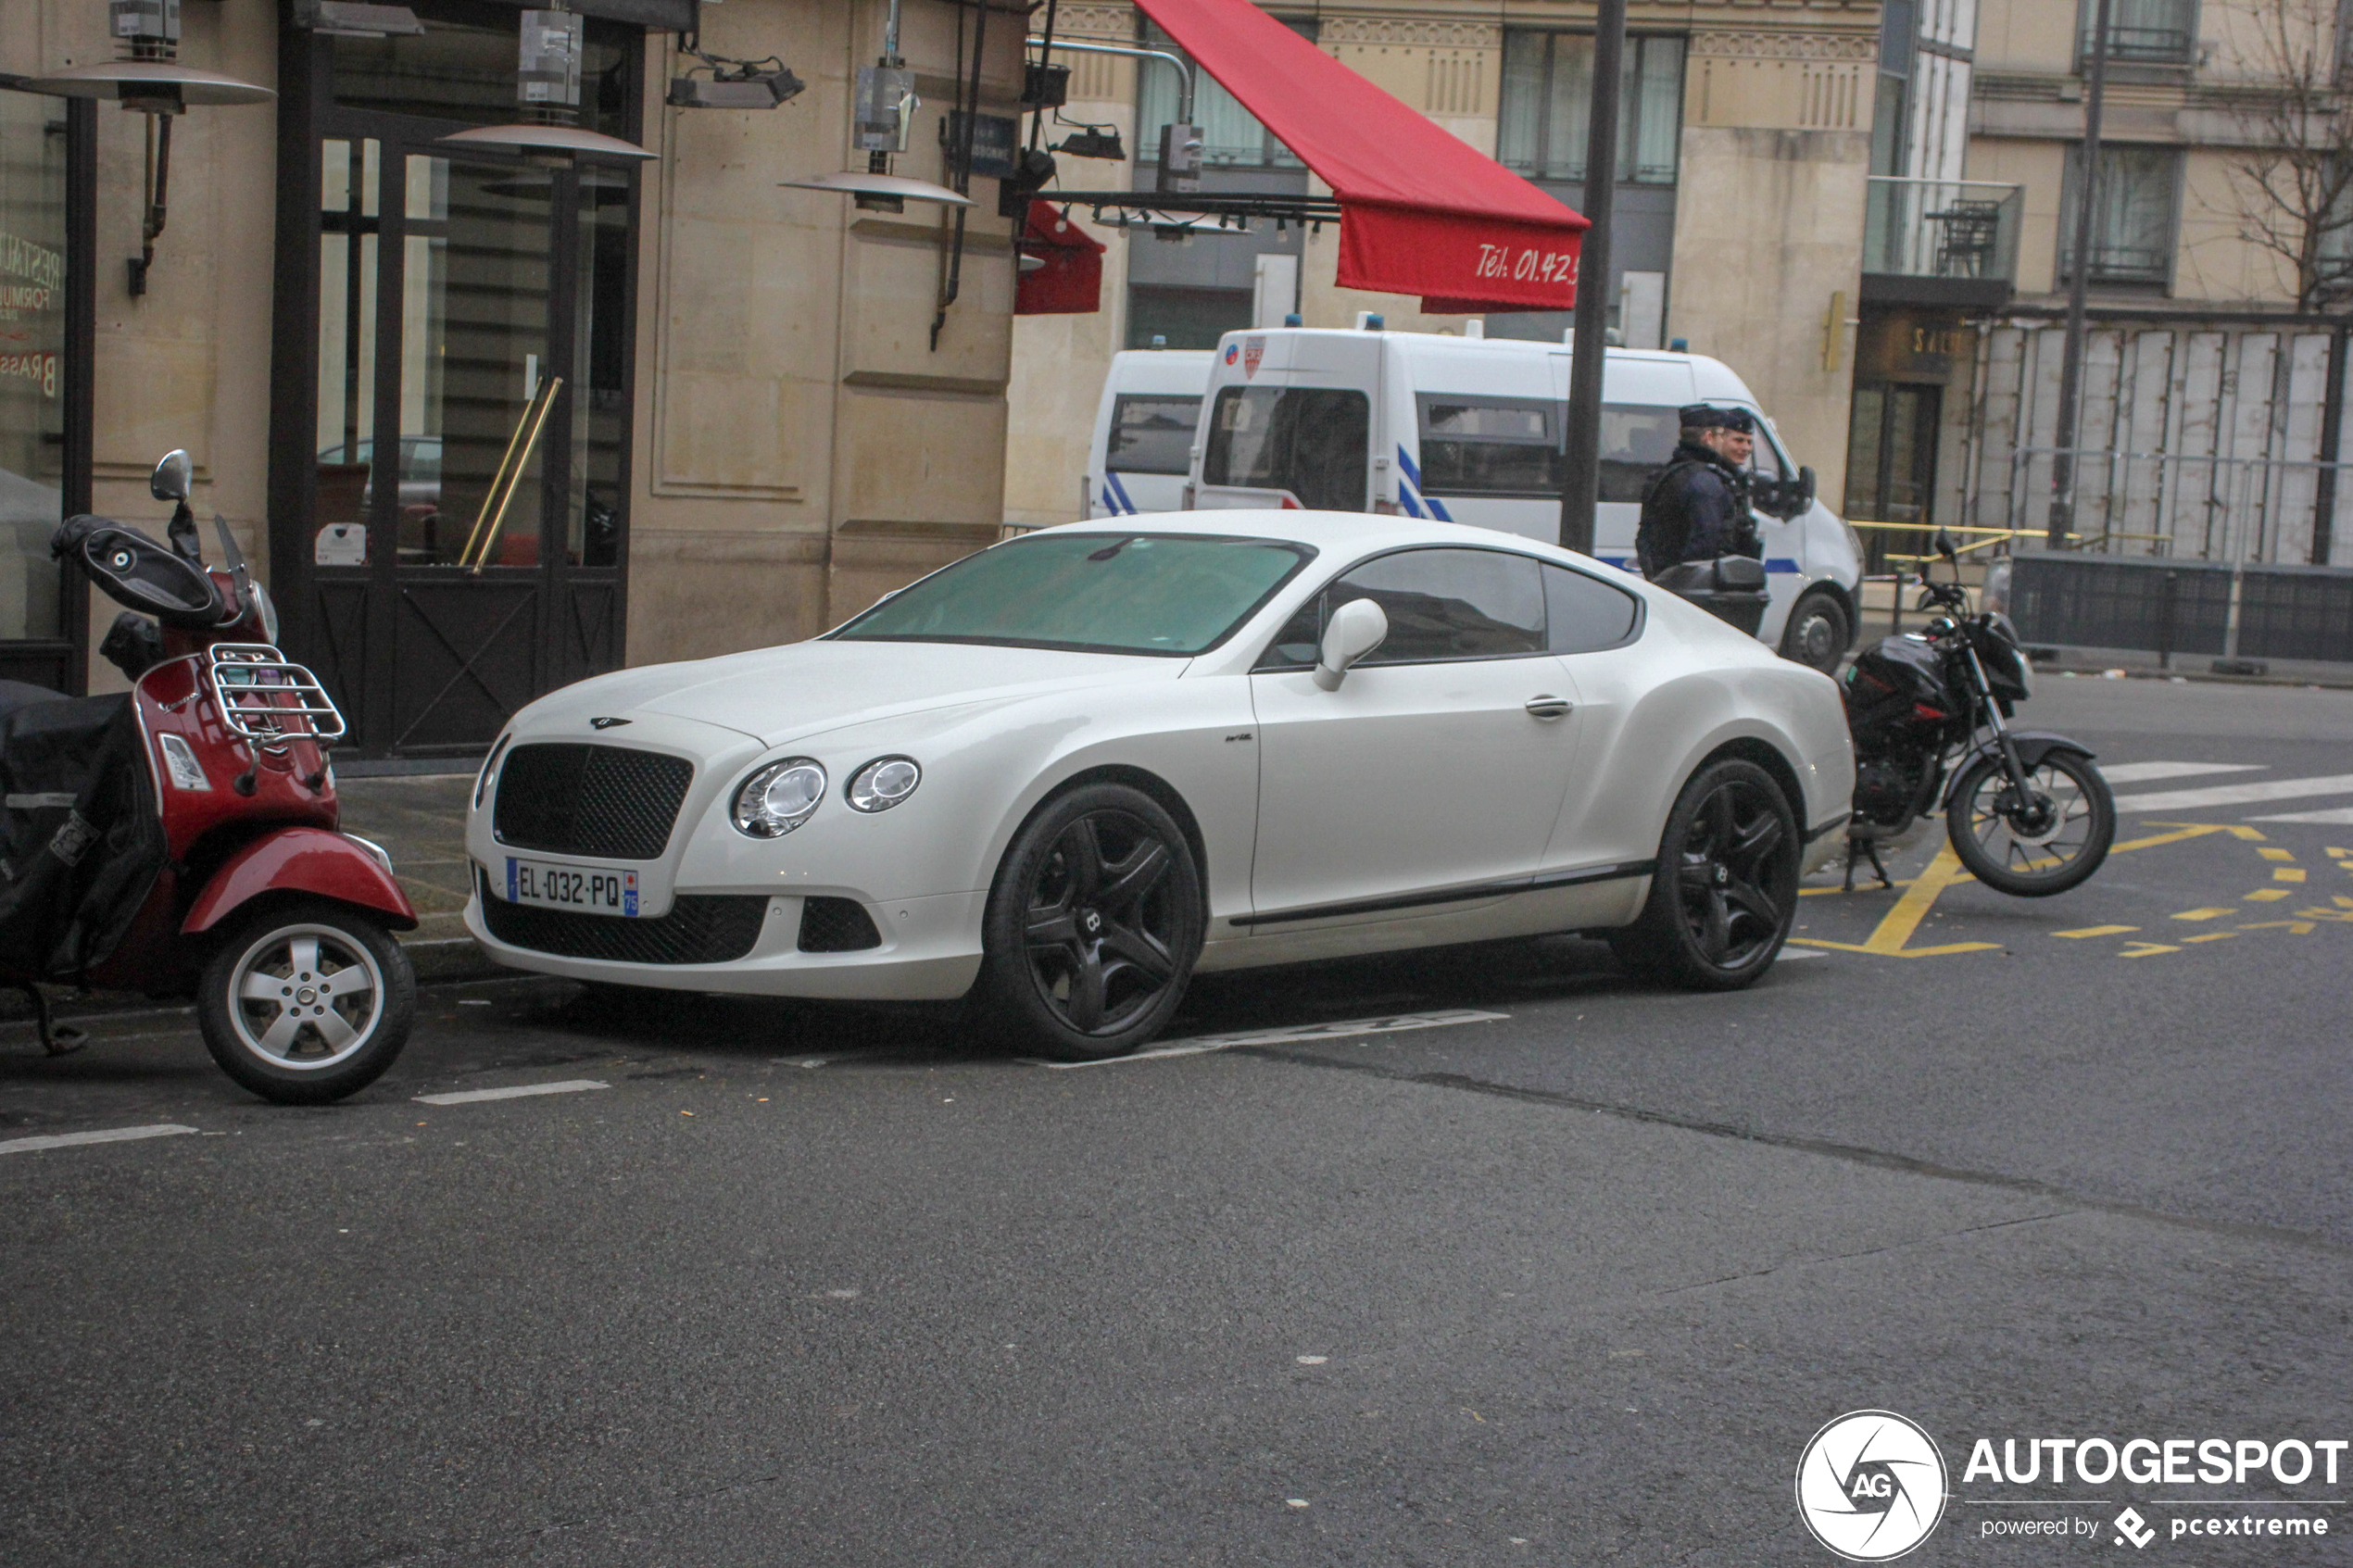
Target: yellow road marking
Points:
(2213, 936)
(2252, 835)
(2144, 949)
(2203, 914)
(1897, 927)
(2295, 927)
(2098, 931)
(2287, 874)
(2265, 895)
(2275, 854)
(2343, 902)
(2324, 913)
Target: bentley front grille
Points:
(600, 800)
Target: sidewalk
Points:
(420, 821)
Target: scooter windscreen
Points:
(133, 569)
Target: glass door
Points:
(472, 427)
(452, 516)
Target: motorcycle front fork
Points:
(1982, 690)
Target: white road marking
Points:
(2236, 794)
(2335, 814)
(2143, 772)
(1201, 1045)
(1790, 955)
(513, 1091)
(107, 1134)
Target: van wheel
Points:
(1819, 632)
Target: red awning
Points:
(1421, 212)
(1071, 281)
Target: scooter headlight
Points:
(779, 798)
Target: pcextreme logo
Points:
(1870, 1485)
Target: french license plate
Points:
(595, 890)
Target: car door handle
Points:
(1549, 707)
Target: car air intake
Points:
(836, 925)
(575, 799)
(699, 928)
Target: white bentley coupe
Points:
(1063, 774)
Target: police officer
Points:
(1697, 507)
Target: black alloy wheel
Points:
(1093, 925)
(1818, 634)
(1725, 893)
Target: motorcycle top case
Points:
(81, 842)
(1885, 683)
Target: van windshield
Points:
(1312, 441)
(1172, 594)
(1153, 433)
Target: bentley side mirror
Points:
(172, 476)
(1807, 488)
(1355, 629)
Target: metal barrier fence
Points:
(2244, 610)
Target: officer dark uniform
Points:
(1697, 507)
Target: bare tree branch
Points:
(2291, 177)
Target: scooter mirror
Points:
(173, 477)
(1946, 547)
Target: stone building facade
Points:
(754, 428)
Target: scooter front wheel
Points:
(306, 1002)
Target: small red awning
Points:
(1071, 282)
(1421, 211)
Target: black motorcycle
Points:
(2026, 810)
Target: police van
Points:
(1143, 442)
(1469, 429)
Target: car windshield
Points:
(1172, 594)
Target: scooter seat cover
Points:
(80, 840)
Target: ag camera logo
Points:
(1870, 1485)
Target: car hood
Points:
(775, 695)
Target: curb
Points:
(437, 962)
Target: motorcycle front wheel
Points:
(2047, 843)
(306, 1003)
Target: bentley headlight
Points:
(778, 797)
(884, 783)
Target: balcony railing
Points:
(1942, 228)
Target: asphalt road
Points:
(1568, 1273)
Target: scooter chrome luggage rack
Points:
(287, 692)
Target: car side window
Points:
(1585, 614)
(1442, 604)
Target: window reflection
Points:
(32, 341)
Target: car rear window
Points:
(1170, 594)
(1312, 441)
(1153, 433)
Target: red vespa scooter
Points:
(185, 837)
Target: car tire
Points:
(1725, 890)
(307, 1036)
(1093, 924)
(1819, 632)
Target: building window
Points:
(1231, 136)
(32, 363)
(1548, 95)
(2133, 220)
(2142, 31)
